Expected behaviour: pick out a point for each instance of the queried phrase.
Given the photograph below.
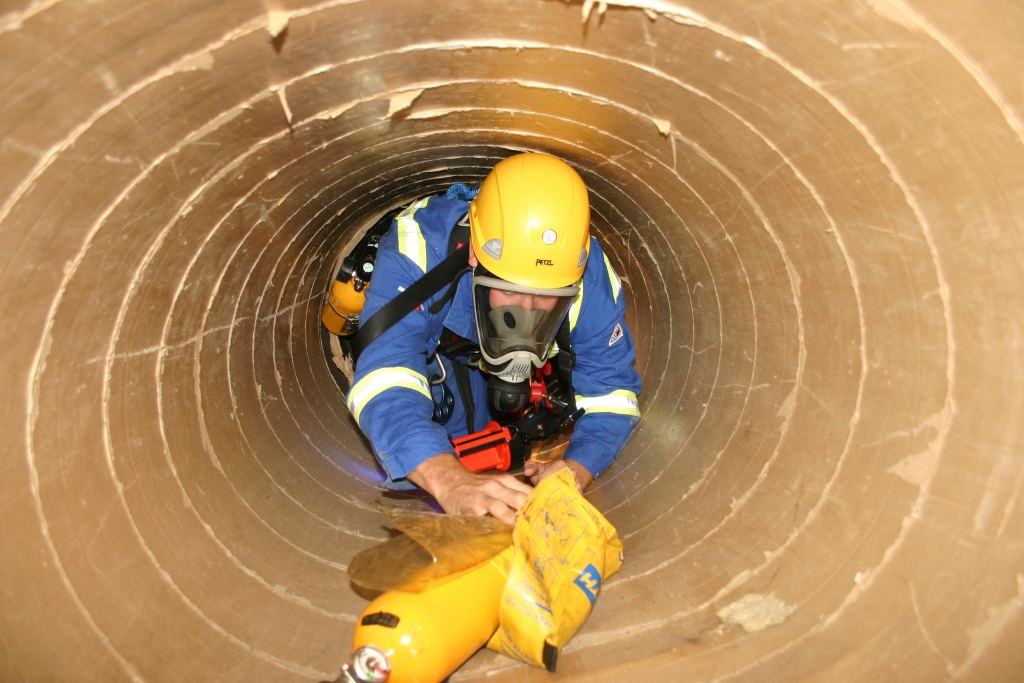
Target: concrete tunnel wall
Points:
(816, 208)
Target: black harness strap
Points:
(406, 302)
(447, 272)
(566, 362)
(466, 392)
(438, 305)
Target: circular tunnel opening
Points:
(819, 465)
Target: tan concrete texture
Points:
(816, 207)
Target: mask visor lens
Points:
(513, 318)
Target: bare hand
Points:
(536, 471)
(461, 492)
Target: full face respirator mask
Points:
(516, 326)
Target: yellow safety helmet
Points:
(530, 223)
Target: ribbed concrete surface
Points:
(818, 207)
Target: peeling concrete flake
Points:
(284, 104)
(402, 101)
(200, 62)
(277, 22)
(588, 7)
(755, 612)
(917, 468)
(786, 409)
(332, 114)
(664, 127)
(652, 8)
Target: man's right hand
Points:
(461, 492)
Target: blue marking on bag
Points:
(589, 582)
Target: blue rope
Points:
(462, 191)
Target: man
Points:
(534, 266)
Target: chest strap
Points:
(432, 282)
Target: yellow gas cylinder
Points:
(424, 637)
(340, 313)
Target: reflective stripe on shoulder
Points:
(613, 276)
(620, 401)
(410, 239)
(574, 308)
(380, 380)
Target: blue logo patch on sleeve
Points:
(589, 582)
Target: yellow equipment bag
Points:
(563, 551)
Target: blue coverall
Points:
(390, 395)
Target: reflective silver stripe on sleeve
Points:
(620, 401)
(380, 380)
(410, 239)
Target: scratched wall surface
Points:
(817, 210)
